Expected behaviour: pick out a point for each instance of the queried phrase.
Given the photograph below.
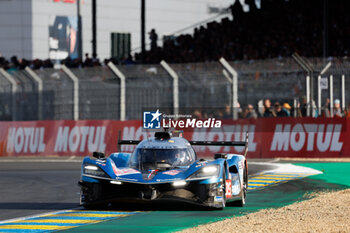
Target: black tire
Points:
(95, 206)
(241, 202)
(223, 205)
(91, 206)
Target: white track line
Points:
(274, 160)
(288, 168)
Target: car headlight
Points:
(94, 171)
(179, 183)
(208, 171)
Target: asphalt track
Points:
(32, 186)
(335, 176)
(37, 187)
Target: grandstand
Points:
(258, 43)
(279, 29)
(249, 35)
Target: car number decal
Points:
(228, 188)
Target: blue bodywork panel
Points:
(116, 168)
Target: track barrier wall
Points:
(268, 137)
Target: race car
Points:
(165, 168)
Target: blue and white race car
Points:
(165, 168)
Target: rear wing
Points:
(129, 142)
(126, 142)
(223, 143)
(198, 143)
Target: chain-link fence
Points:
(201, 85)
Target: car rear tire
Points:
(91, 205)
(223, 183)
(242, 201)
(95, 206)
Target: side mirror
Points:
(220, 156)
(233, 169)
(98, 155)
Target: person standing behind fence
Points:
(303, 107)
(268, 112)
(154, 38)
(296, 111)
(347, 111)
(249, 112)
(326, 112)
(261, 108)
(337, 112)
(279, 111)
(286, 107)
(227, 112)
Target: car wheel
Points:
(242, 201)
(91, 206)
(102, 206)
(223, 195)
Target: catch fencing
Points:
(103, 93)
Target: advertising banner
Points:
(63, 38)
(268, 137)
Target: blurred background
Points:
(89, 59)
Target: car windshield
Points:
(162, 159)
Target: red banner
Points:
(66, 1)
(268, 137)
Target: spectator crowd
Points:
(14, 63)
(266, 109)
(278, 29)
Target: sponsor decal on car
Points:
(228, 188)
(124, 171)
(172, 172)
(240, 164)
(152, 173)
(126, 179)
(167, 180)
(201, 163)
